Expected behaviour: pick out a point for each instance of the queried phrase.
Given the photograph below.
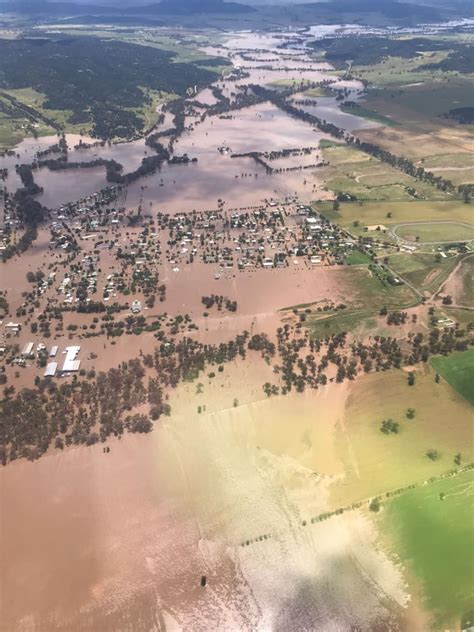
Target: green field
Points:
(458, 370)
(371, 115)
(465, 317)
(435, 540)
(429, 98)
(435, 232)
(359, 324)
(365, 294)
(376, 463)
(355, 172)
(356, 257)
(422, 269)
(392, 213)
(397, 72)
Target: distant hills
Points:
(230, 13)
(166, 7)
(190, 7)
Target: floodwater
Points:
(327, 108)
(240, 182)
(120, 541)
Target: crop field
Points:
(434, 232)
(456, 161)
(423, 270)
(431, 531)
(376, 462)
(420, 102)
(457, 369)
(459, 168)
(392, 213)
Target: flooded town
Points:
(224, 336)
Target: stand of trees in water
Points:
(92, 407)
(399, 162)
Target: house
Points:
(53, 352)
(12, 328)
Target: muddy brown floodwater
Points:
(120, 541)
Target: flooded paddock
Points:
(141, 525)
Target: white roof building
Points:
(27, 350)
(71, 364)
(51, 369)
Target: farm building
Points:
(27, 350)
(71, 364)
(51, 369)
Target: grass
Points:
(376, 463)
(319, 91)
(371, 213)
(366, 294)
(432, 98)
(356, 257)
(467, 293)
(289, 82)
(365, 291)
(359, 324)
(422, 269)
(458, 370)
(435, 232)
(371, 115)
(435, 539)
(465, 317)
(453, 160)
(363, 176)
(324, 143)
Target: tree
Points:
(389, 426)
(410, 413)
(375, 505)
(432, 454)
(457, 458)
(411, 378)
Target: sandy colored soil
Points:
(140, 525)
